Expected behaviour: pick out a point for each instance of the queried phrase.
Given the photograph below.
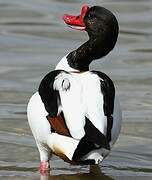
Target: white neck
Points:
(63, 65)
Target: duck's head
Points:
(99, 23)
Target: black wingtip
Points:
(95, 136)
(92, 140)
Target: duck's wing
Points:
(49, 95)
(100, 98)
(92, 140)
(108, 91)
(58, 125)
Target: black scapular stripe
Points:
(49, 96)
(93, 139)
(108, 91)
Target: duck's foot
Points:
(94, 169)
(44, 168)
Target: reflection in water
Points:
(95, 174)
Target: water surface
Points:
(33, 38)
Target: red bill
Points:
(76, 22)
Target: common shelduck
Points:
(76, 114)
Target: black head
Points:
(99, 20)
(101, 24)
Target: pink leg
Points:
(44, 167)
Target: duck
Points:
(75, 114)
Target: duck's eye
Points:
(90, 15)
